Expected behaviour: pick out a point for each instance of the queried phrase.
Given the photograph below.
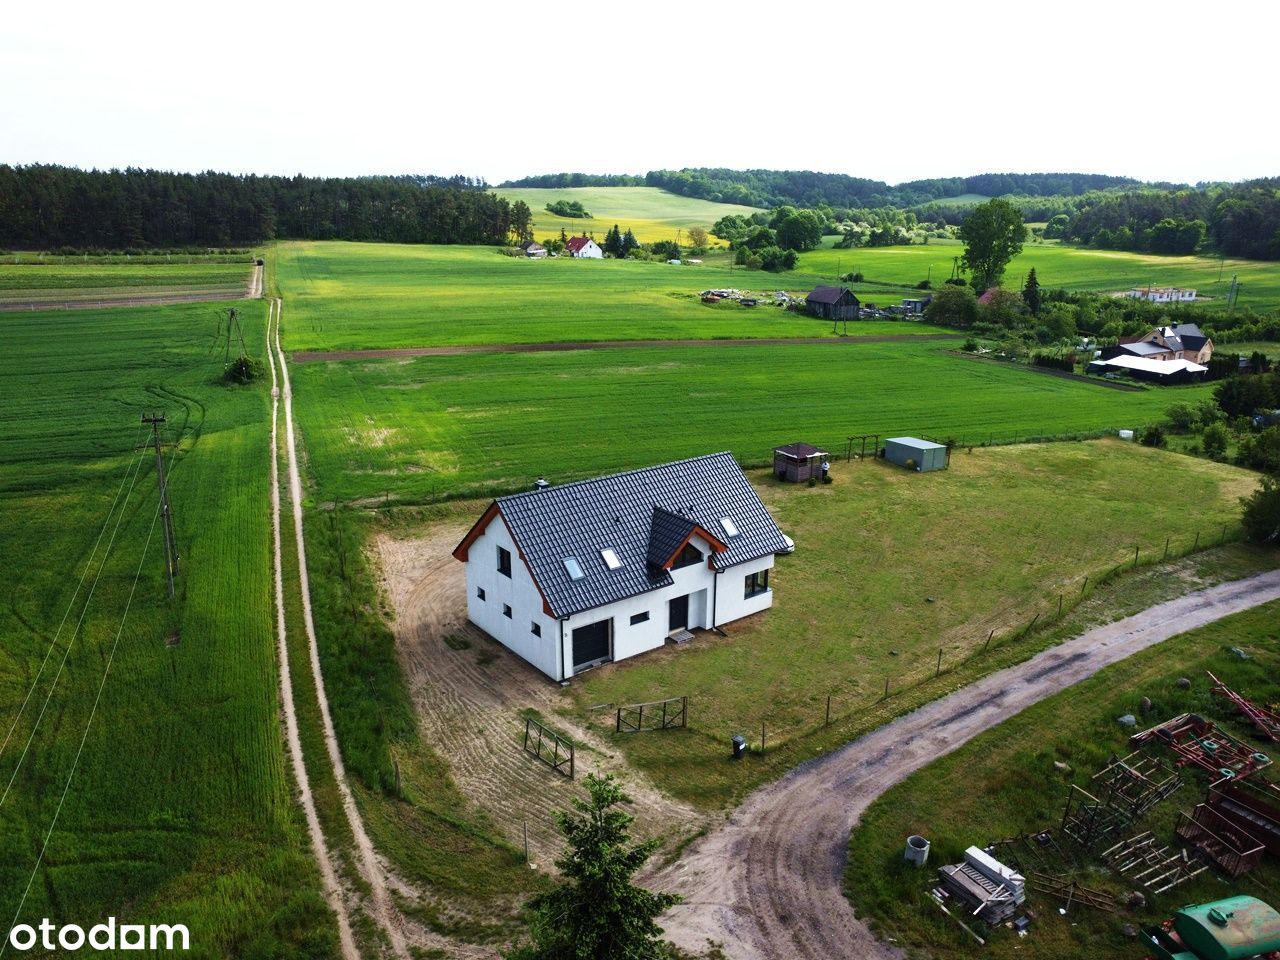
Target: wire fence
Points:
(835, 707)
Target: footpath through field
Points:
(399, 353)
(768, 884)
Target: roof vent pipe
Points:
(541, 483)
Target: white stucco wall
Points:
(703, 586)
(590, 251)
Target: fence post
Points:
(762, 736)
(828, 722)
(1196, 546)
(664, 714)
(618, 729)
(1031, 625)
(526, 733)
(938, 672)
(886, 687)
(1059, 605)
(684, 711)
(1084, 586)
(988, 643)
(1135, 556)
(526, 841)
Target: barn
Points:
(832, 303)
(575, 575)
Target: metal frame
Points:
(630, 718)
(560, 749)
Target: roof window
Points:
(610, 557)
(730, 528)
(574, 568)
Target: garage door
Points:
(591, 643)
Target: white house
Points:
(1163, 294)
(584, 248)
(580, 574)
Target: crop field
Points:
(872, 594)
(1004, 783)
(352, 296)
(66, 283)
(436, 427)
(181, 809)
(1058, 265)
(651, 213)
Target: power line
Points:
(85, 736)
(71, 642)
(71, 603)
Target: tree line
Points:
(49, 207)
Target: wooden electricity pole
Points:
(170, 541)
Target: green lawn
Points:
(1058, 265)
(651, 213)
(433, 427)
(77, 277)
(352, 296)
(181, 810)
(892, 566)
(1004, 782)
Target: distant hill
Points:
(808, 188)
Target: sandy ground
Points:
(469, 702)
(314, 356)
(767, 884)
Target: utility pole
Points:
(170, 542)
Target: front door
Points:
(591, 644)
(679, 612)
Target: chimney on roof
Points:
(541, 483)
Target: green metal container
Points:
(1230, 929)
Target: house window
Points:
(757, 583)
(688, 557)
(637, 618)
(504, 561)
(506, 611)
(535, 629)
(480, 592)
(610, 557)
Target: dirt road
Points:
(400, 353)
(767, 884)
(319, 848)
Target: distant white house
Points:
(571, 576)
(1162, 294)
(584, 248)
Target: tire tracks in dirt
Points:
(328, 875)
(768, 883)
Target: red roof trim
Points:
(461, 551)
(717, 545)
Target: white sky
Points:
(895, 90)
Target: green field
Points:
(651, 213)
(875, 590)
(1004, 783)
(76, 277)
(1060, 266)
(350, 296)
(181, 809)
(431, 427)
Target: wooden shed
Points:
(832, 303)
(798, 462)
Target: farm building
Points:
(916, 306)
(533, 250)
(798, 462)
(1186, 341)
(584, 248)
(575, 575)
(1162, 294)
(1146, 368)
(915, 454)
(832, 303)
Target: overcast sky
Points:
(893, 91)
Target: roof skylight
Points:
(574, 568)
(730, 527)
(610, 557)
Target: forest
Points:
(53, 207)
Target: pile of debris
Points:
(985, 886)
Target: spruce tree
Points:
(598, 911)
(1031, 293)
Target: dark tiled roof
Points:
(800, 451)
(575, 244)
(1145, 348)
(1193, 338)
(581, 519)
(828, 295)
(667, 533)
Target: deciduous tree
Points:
(993, 236)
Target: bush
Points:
(970, 346)
(1215, 441)
(1153, 436)
(243, 369)
(1261, 518)
(855, 277)
(924, 285)
(568, 208)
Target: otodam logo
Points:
(47, 935)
